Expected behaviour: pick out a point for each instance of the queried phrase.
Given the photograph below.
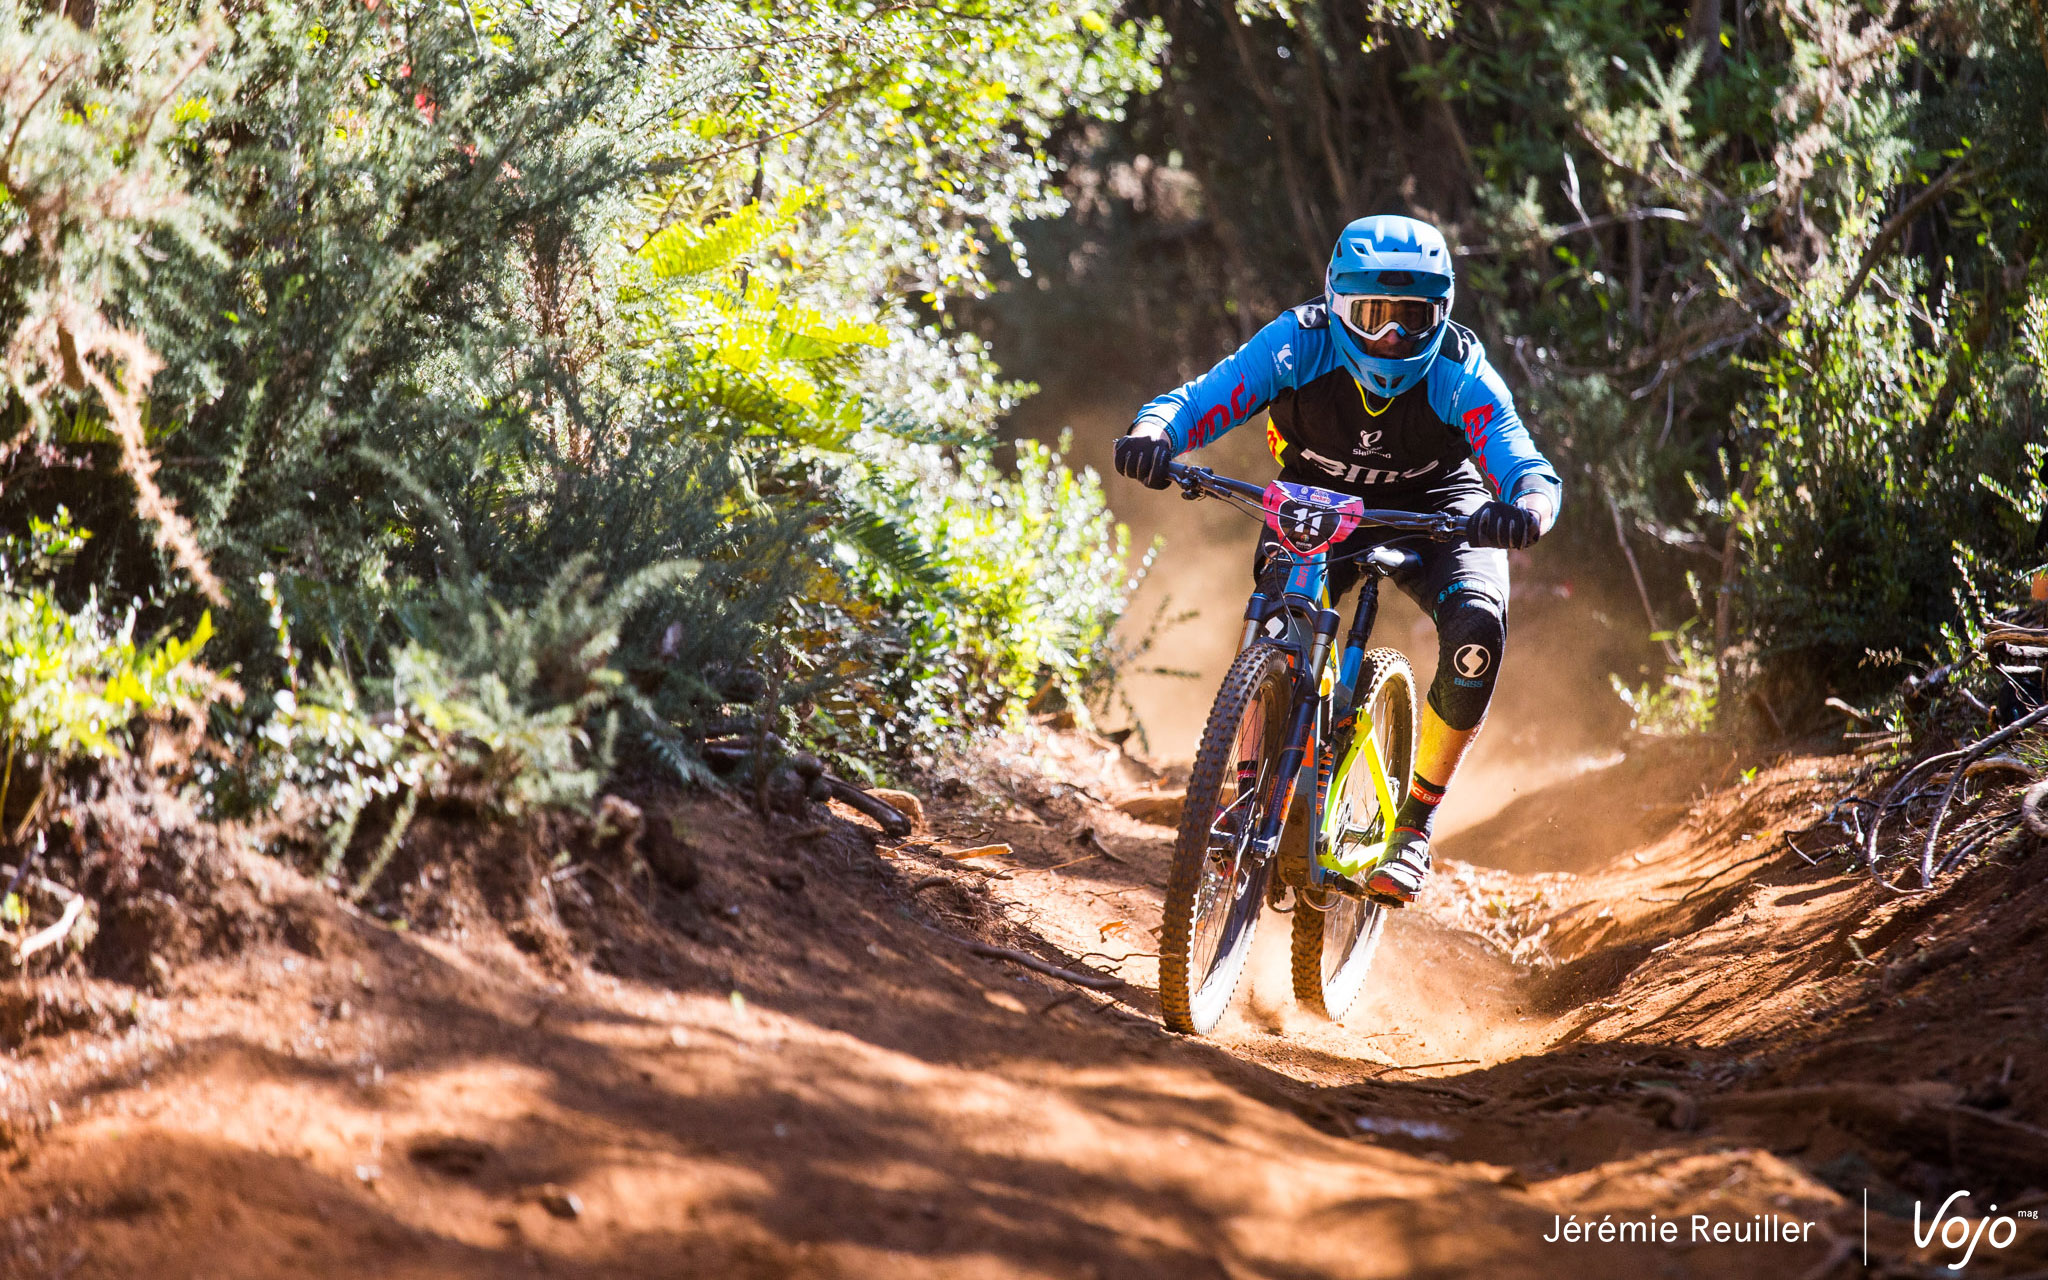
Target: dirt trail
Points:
(801, 1069)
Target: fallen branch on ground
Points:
(1967, 755)
(1424, 1066)
(2031, 805)
(978, 851)
(886, 816)
(1092, 981)
(43, 939)
(892, 820)
(1425, 1085)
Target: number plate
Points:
(1309, 519)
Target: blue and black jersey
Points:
(1456, 427)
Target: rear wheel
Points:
(1216, 887)
(1334, 935)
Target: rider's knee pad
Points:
(1471, 630)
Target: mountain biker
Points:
(1373, 390)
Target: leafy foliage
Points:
(996, 592)
(497, 719)
(550, 374)
(73, 683)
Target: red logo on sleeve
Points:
(1221, 418)
(1240, 404)
(1476, 419)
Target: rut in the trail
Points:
(798, 1068)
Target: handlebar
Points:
(1197, 482)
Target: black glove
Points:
(1144, 459)
(1503, 524)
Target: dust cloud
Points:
(1554, 713)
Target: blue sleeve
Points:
(1201, 411)
(1471, 397)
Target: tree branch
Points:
(1635, 571)
(1596, 223)
(1897, 224)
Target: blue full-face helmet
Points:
(1389, 289)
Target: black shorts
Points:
(1447, 567)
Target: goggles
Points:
(1389, 327)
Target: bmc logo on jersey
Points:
(1360, 473)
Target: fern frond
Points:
(686, 251)
(888, 544)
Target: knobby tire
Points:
(1257, 685)
(1333, 949)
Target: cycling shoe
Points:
(1399, 877)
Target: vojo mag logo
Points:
(1957, 1233)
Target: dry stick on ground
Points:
(1094, 982)
(1912, 774)
(1069, 862)
(1424, 1085)
(2003, 764)
(1128, 955)
(1998, 826)
(1424, 1066)
(1768, 853)
(74, 907)
(2031, 806)
(1955, 782)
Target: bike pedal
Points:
(1345, 885)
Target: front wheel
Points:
(1335, 935)
(1217, 885)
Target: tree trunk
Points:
(1323, 90)
(1300, 201)
(1703, 28)
(1635, 275)
(1415, 49)
(1724, 602)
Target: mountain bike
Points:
(1301, 757)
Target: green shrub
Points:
(996, 594)
(499, 711)
(74, 682)
(482, 321)
(1880, 467)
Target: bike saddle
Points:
(1389, 562)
